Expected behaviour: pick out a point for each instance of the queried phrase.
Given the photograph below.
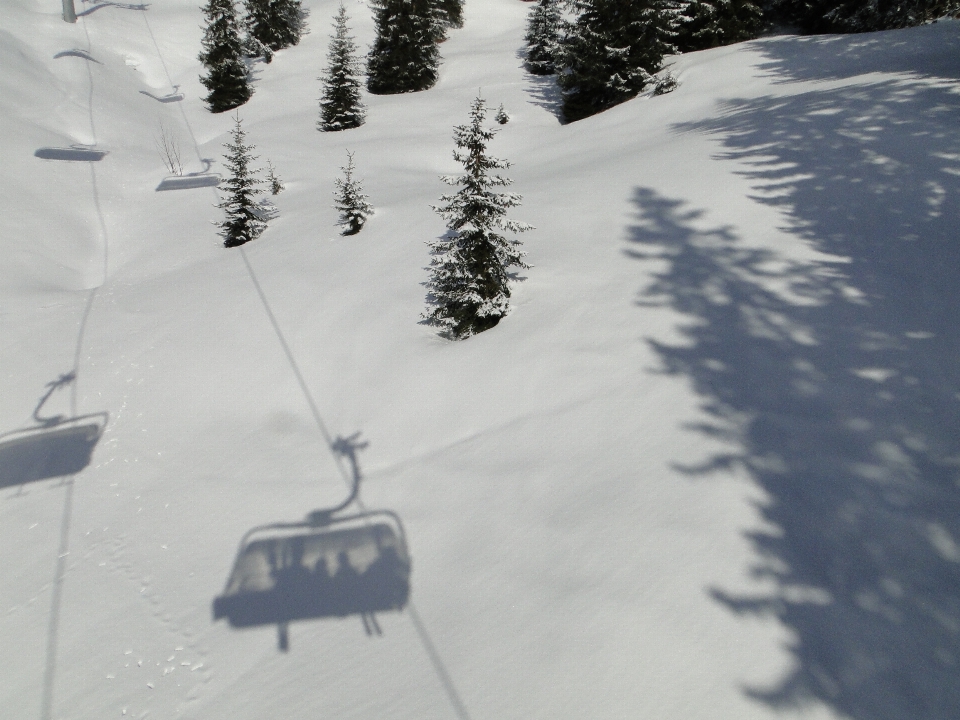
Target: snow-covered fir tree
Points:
(226, 76)
(349, 200)
(470, 264)
(243, 221)
(544, 30)
(451, 12)
(404, 56)
(276, 24)
(702, 24)
(340, 105)
(273, 180)
(610, 53)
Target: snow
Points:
(728, 383)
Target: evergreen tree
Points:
(340, 106)
(404, 56)
(273, 180)
(823, 16)
(226, 77)
(350, 200)
(471, 262)
(702, 24)
(451, 13)
(611, 52)
(276, 24)
(544, 31)
(243, 221)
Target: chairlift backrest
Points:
(49, 451)
(300, 571)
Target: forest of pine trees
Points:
(603, 52)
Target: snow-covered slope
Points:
(707, 468)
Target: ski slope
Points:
(707, 467)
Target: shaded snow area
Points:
(707, 468)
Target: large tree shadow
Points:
(837, 383)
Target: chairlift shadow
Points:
(75, 153)
(188, 182)
(175, 96)
(57, 446)
(329, 565)
(121, 6)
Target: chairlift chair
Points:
(324, 566)
(56, 446)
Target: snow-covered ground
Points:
(707, 468)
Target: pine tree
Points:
(226, 78)
(340, 106)
(702, 24)
(243, 221)
(276, 24)
(827, 16)
(544, 30)
(273, 180)
(451, 12)
(471, 262)
(612, 51)
(404, 56)
(350, 201)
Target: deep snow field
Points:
(708, 468)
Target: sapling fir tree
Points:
(470, 264)
(276, 24)
(611, 53)
(544, 31)
(350, 201)
(226, 76)
(243, 221)
(404, 56)
(273, 180)
(340, 105)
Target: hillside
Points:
(707, 467)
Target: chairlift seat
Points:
(297, 571)
(46, 452)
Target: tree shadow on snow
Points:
(543, 89)
(836, 57)
(836, 383)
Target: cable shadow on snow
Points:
(836, 384)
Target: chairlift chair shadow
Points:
(55, 447)
(328, 565)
